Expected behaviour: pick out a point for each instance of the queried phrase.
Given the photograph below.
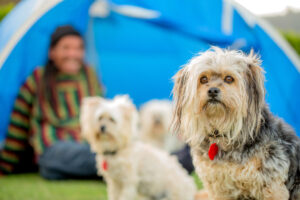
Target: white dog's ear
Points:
(122, 99)
(179, 90)
(129, 112)
(126, 105)
(87, 109)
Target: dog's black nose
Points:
(213, 92)
(157, 121)
(102, 129)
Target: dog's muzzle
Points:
(213, 92)
(214, 96)
(102, 129)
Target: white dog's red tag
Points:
(213, 150)
(104, 165)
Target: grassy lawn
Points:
(33, 187)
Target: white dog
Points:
(132, 170)
(155, 119)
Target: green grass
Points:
(197, 181)
(33, 187)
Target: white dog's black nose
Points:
(157, 121)
(102, 129)
(213, 92)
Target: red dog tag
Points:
(213, 150)
(104, 165)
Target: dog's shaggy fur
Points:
(132, 170)
(220, 98)
(155, 120)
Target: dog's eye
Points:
(112, 120)
(100, 118)
(228, 79)
(203, 80)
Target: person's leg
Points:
(1, 145)
(185, 159)
(65, 160)
(27, 162)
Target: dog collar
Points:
(109, 153)
(104, 162)
(215, 134)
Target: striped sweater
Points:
(34, 121)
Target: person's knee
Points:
(1, 145)
(50, 174)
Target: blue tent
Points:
(138, 45)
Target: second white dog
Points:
(132, 170)
(155, 118)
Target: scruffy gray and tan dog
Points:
(133, 170)
(240, 150)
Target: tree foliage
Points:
(294, 39)
(5, 9)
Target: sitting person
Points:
(185, 159)
(45, 115)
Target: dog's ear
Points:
(179, 90)
(87, 109)
(256, 78)
(130, 115)
(255, 85)
(126, 105)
